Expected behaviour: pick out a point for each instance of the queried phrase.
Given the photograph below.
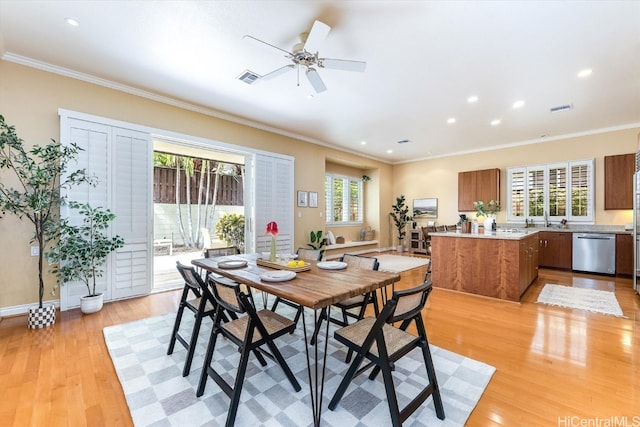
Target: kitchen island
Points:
(494, 264)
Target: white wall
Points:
(165, 222)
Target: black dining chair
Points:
(359, 302)
(250, 333)
(382, 344)
(197, 298)
(306, 255)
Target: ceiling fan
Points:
(305, 54)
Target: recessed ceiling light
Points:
(310, 96)
(585, 73)
(389, 151)
(472, 99)
(451, 120)
(495, 122)
(72, 22)
(363, 142)
(518, 104)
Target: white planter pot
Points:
(91, 304)
(399, 248)
(41, 317)
(488, 223)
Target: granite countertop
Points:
(518, 232)
(572, 228)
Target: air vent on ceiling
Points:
(403, 141)
(561, 108)
(248, 77)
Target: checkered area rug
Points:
(158, 395)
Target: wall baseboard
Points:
(18, 310)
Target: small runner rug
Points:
(158, 395)
(397, 263)
(594, 300)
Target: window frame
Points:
(329, 202)
(569, 165)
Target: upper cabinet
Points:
(477, 185)
(618, 181)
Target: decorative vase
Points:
(272, 254)
(465, 227)
(41, 317)
(400, 247)
(488, 223)
(91, 303)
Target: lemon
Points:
(300, 263)
(292, 264)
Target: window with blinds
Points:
(557, 177)
(535, 192)
(558, 191)
(516, 196)
(343, 196)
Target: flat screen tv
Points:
(425, 208)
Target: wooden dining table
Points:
(315, 288)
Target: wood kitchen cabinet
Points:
(618, 181)
(477, 185)
(624, 254)
(555, 249)
(528, 262)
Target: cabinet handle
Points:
(545, 243)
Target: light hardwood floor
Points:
(554, 366)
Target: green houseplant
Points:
(400, 216)
(39, 174)
(82, 251)
(318, 241)
(230, 228)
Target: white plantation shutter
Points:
(121, 161)
(516, 197)
(132, 199)
(562, 190)
(581, 185)
(274, 198)
(93, 139)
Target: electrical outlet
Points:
(35, 251)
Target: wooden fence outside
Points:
(164, 187)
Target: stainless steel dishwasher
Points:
(594, 252)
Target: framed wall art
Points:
(302, 199)
(425, 208)
(313, 199)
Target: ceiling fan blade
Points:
(318, 33)
(342, 64)
(277, 72)
(253, 39)
(315, 80)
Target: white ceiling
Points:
(424, 59)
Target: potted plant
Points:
(230, 228)
(38, 173)
(317, 241)
(82, 250)
(489, 211)
(400, 216)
